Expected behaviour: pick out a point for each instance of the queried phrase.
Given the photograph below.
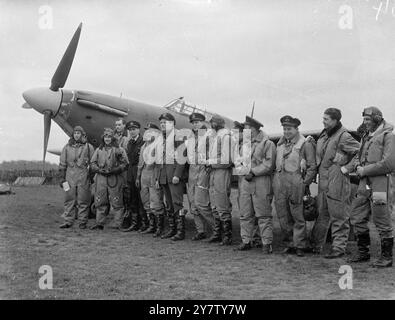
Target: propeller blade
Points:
(26, 106)
(47, 130)
(60, 76)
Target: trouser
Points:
(145, 186)
(334, 214)
(255, 207)
(199, 201)
(138, 214)
(173, 195)
(392, 193)
(219, 193)
(77, 202)
(202, 198)
(108, 192)
(288, 194)
(363, 207)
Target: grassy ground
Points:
(96, 265)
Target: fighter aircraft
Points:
(95, 111)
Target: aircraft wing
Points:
(56, 152)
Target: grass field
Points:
(110, 264)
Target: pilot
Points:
(144, 178)
(121, 136)
(237, 138)
(74, 168)
(220, 166)
(295, 170)
(109, 161)
(197, 145)
(374, 165)
(255, 186)
(169, 179)
(336, 153)
(139, 220)
(121, 133)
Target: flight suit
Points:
(75, 160)
(256, 195)
(145, 176)
(377, 157)
(219, 183)
(164, 171)
(122, 141)
(198, 194)
(109, 187)
(334, 150)
(289, 184)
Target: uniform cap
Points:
(238, 125)
(197, 117)
(290, 121)
(250, 121)
(151, 125)
(167, 116)
(133, 124)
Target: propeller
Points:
(62, 72)
(47, 130)
(253, 109)
(48, 100)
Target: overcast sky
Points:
(290, 57)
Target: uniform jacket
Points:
(170, 166)
(75, 159)
(109, 157)
(298, 153)
(133, 151)
(262, 163)
(220, 149)
(377, 157)
(335, 149)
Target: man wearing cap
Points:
(255, 186)
(295, 171)
(335, 156)
(109, 161)
(219, 163)
(169, 178)
(237, 154)
(144, 178)
(197, 145)
(376, 161)
(138, 216)
(74, 168)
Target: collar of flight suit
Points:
(293, 141)
(383, 127)
(260, 137)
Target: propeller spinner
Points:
(47, 100)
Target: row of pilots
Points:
(126, 185)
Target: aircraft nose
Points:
(43, 99)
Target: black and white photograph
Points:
(197, 155)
